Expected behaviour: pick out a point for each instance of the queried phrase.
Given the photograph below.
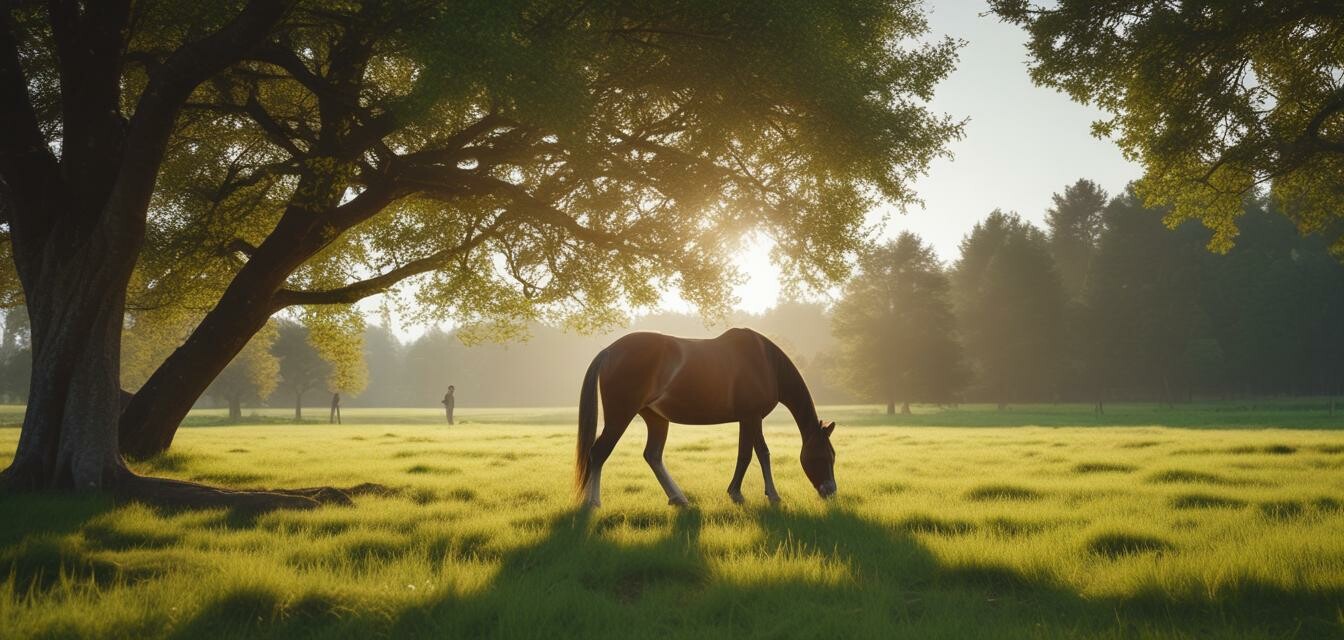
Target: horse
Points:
(739, 376)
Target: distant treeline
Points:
(1118, 306)
(1112, 301)
(1105, 302)
(547, 368)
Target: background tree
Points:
(16, 355)
(1010, 307)
(302, 368)
(896, 328)
(385, 359)
(1073, 224)
(1143, 300)
(337, 334)
(1214, 98)
(533, 160)
(252, 375)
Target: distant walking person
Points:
(335, 408)
(448, 403)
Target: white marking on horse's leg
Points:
(674, 494)
(763, 455)
(593, 490)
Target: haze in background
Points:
(1022, 144)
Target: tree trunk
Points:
(891, 407)
(69, 439)
(905, 408)
(235, 409)
(69, 435)
(298, 406)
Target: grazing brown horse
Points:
(737, 377)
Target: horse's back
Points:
(692, 381)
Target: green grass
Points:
(939, 532)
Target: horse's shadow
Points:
(578, 582)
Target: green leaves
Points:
(1216, 99)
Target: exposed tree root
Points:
(166, 492)
(125, 485)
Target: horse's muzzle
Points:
(826, 489)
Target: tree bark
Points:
(891, 407)
(298, 406)
(69, 436)
(905, 408)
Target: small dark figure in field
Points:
(335, 417)
(448, 402)
(739, 376)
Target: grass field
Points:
(1164, 527)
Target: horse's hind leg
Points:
(613, 427)
(744, 444)
(653, 454)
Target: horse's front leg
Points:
(744, 444)
(763, 454)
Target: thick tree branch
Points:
(1312, 133)
(290, 62)
(239, 245)
(167, 91)
(26, 163)
(356, 291)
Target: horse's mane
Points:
(793, 392)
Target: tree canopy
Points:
(520, 160)
(1216, 99)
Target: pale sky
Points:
(1022, 143)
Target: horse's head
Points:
(818, 460)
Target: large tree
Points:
(897, 333)
(525, 159)
(1214, 97)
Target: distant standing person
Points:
(448, 403)
(335, 408)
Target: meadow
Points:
(1220, 520)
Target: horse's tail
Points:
(587, 421)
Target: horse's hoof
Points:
(774, 500)
(737, 497)
(679, 501)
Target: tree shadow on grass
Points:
(35, 548)
(577, 581)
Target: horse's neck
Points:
(793, 394)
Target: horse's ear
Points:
(828, 428)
